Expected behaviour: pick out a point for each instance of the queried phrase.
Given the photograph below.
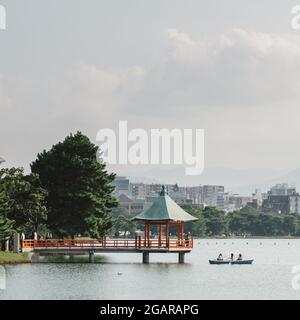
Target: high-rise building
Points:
(282, 189)
(281, 199)
(138, 190)
(210, 194)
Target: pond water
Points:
(123, 276)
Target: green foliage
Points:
(6, 228)
(120, 211)
(211, 222)
(123, 225)
(247, 221)
(22, 199)
(79, 192)
(4, 202)
(215, 221)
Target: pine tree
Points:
(22, 199)
(6, 228)
(79, 188)
(6, 225)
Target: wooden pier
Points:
(90, 247)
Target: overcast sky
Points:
(231, 68)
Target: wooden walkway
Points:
(114, 244)
(138, 245)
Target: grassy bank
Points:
(9, 257)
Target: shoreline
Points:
(14, 258)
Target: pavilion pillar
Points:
(146, 257)
(182, 233)
(167, 235)
(160, 235)
(178, 233)
(181, 257)
(148, 236)
(145, 232)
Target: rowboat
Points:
(219, 261)
(249, 261)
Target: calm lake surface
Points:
(270, 277)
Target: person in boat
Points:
(240, 257)
(220, 257)
(231, 256)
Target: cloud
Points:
(37, 111)
(235, 69)
(242, 87)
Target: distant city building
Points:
(295, 203)
(281, 198)
(138, 190)
(211, 194)
(276, 204)
(132, 206)
(135, 197)
(121, 185)
(195, 194)
(238, 201)
(282, 189)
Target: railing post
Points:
(7, 245)
(140, 241)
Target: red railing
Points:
(109, 243)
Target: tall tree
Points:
(6, 225)
(215, 221)
(79, 188)
(24, 199)
(289, 224)
(198, 228)
(6, 229)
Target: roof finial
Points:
(163, 191)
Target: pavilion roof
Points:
(164, 209)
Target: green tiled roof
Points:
(164, 209)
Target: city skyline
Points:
(136, 196)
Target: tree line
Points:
(245, 222)
(212, 222)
